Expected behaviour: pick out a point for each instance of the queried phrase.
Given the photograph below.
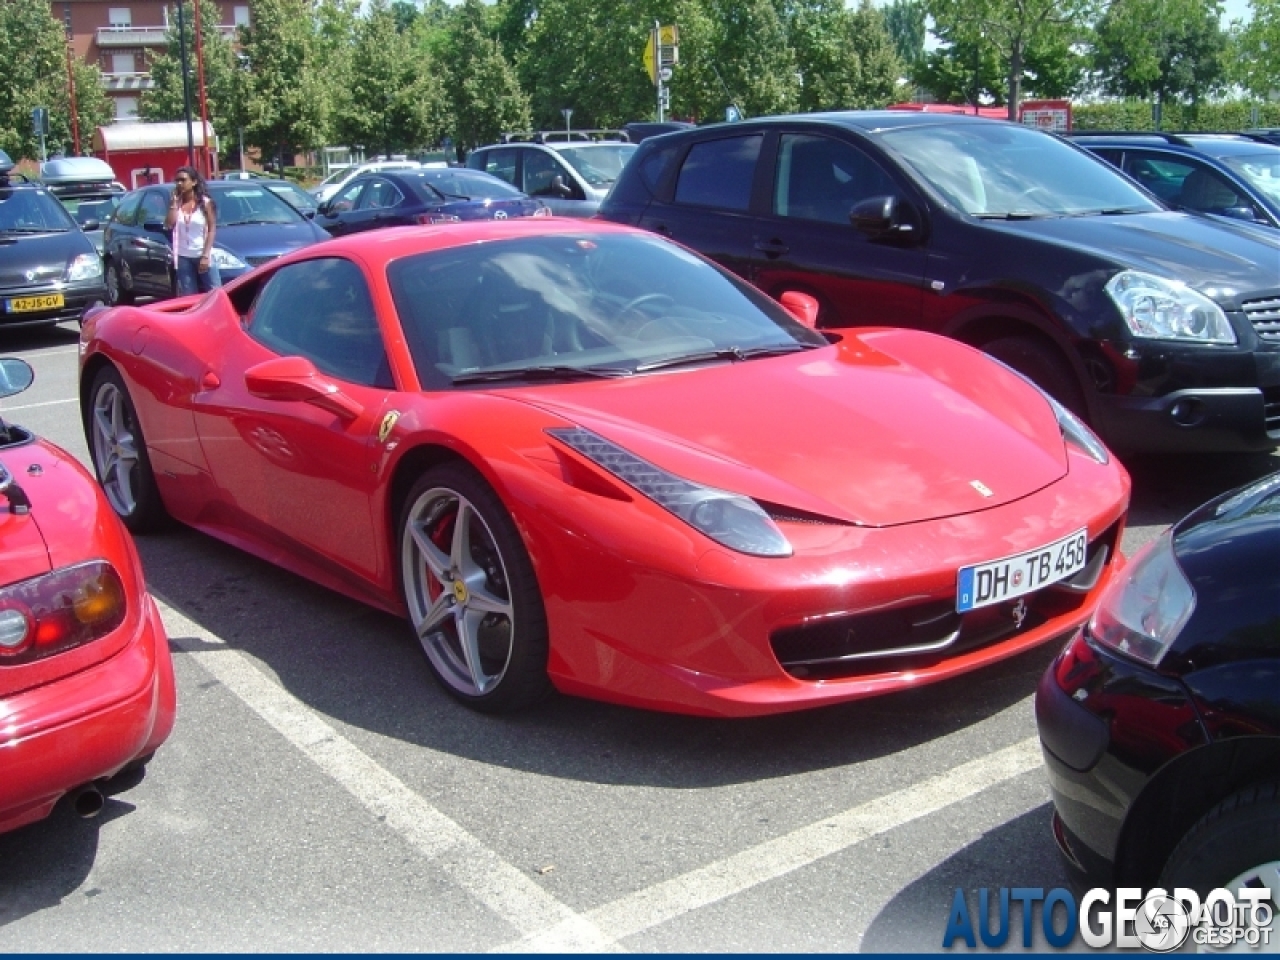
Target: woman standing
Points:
(193, 218)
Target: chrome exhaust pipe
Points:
(88, 801)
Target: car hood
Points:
(1225, 261)
(262, 240)
(887, 427)
(47, 254)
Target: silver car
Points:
(572, 177)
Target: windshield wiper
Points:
(246, 223)
(734, 354)
(1016, 215)
(546, 372)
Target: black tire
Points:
(1238, 837)
(1044, 365)
(117, 295)
(482, 588)
(119, 452)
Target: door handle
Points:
(772, 248)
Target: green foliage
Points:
(1256, 63)
(482, 95)
(33, 73)
(1137, 115)
(757, 64)
(1161, 49)
(905, 21)
(845, 57)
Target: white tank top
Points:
(188, 233)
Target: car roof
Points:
(1211, 144)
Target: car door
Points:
(117, 238)
(377, 206)
(151, 251)
(295, 473)
(501, 162)
(341, 212)
(565, 196)
(708, 206)
(807, 242)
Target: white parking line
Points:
(50, 351)
(43, 403)
(495, 883)
(699, 888)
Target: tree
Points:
(1257, 63)
(395, 100)
(1161, 49)
(287, 104)
(1011, 28)
(482, 94)
(968, 71)
(753, 57)
(905, 21)
(845, 58)
(164, 100)
(33, 73)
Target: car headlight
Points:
(1144, 609)
(86, 266)
(1077, 433)
(225, 260)
(730, 519)
(1162, 309)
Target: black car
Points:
(87, 187)
(50, 270)
(254, 227)
(1224, 175)
(1160, 721)
(1161, 327)
(638, 130)
(398, 198)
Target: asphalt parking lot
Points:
(321, 793)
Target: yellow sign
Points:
(650, 61)
(668, 36)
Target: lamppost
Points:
(186, 84)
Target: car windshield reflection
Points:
(577, 306)
(998, 170)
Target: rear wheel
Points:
(120, 456)
(1042, 364)
(116, 293)
(471, 591)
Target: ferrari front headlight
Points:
(730, 519)
(1161, 309)
(86, 266)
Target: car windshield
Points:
(292, 194)
(248, 203)
(85, 209)
(337, 176)
(32, 211)
(599, 164)
(1261, 170)
(1004, 171)
(462, 183)
(569, 306)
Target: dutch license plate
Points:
(986, 583)
(47, 301)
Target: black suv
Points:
(1161, 327)
(1225, 175)
(50, 271)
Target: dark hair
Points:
(201, 192)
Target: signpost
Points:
(567, 113)
(661, 53)
(40, 127)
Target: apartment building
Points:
(121, 36)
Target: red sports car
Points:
(579, 456)
(86, 681)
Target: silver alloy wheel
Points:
(113, 284)
(115, 451)
(457, 590)
(1263, 875)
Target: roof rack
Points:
(1174, 138)
(565, 136)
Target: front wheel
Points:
(116, 293)
(120, 456)
(471, 591)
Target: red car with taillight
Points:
(86, 679)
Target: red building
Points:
(121, 36)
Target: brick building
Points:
(121, 36)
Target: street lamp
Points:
(186, 84)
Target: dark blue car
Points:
(254, 227)
(1222, 175)
(397, 198)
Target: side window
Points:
(155, 204)
(1159, 173)
(718, 173)
(822, 179)
(346, 199)
(378, 194)
(539, 171)
(127, 213)
(502, 164)
(321, 309)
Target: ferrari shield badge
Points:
(981, 487)
(388, 423)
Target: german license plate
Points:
(986, 583)
(47, 301)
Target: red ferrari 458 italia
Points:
(578, 456)
(86, 680)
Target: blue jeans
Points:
(191, 280)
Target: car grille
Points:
(1271, 410)
(918, 636)
(259, 261)
(1265, 317)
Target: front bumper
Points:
(1107, 725)
(86, 726)
(77, 298)
(1193, 398)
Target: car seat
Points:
(1204, 191)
